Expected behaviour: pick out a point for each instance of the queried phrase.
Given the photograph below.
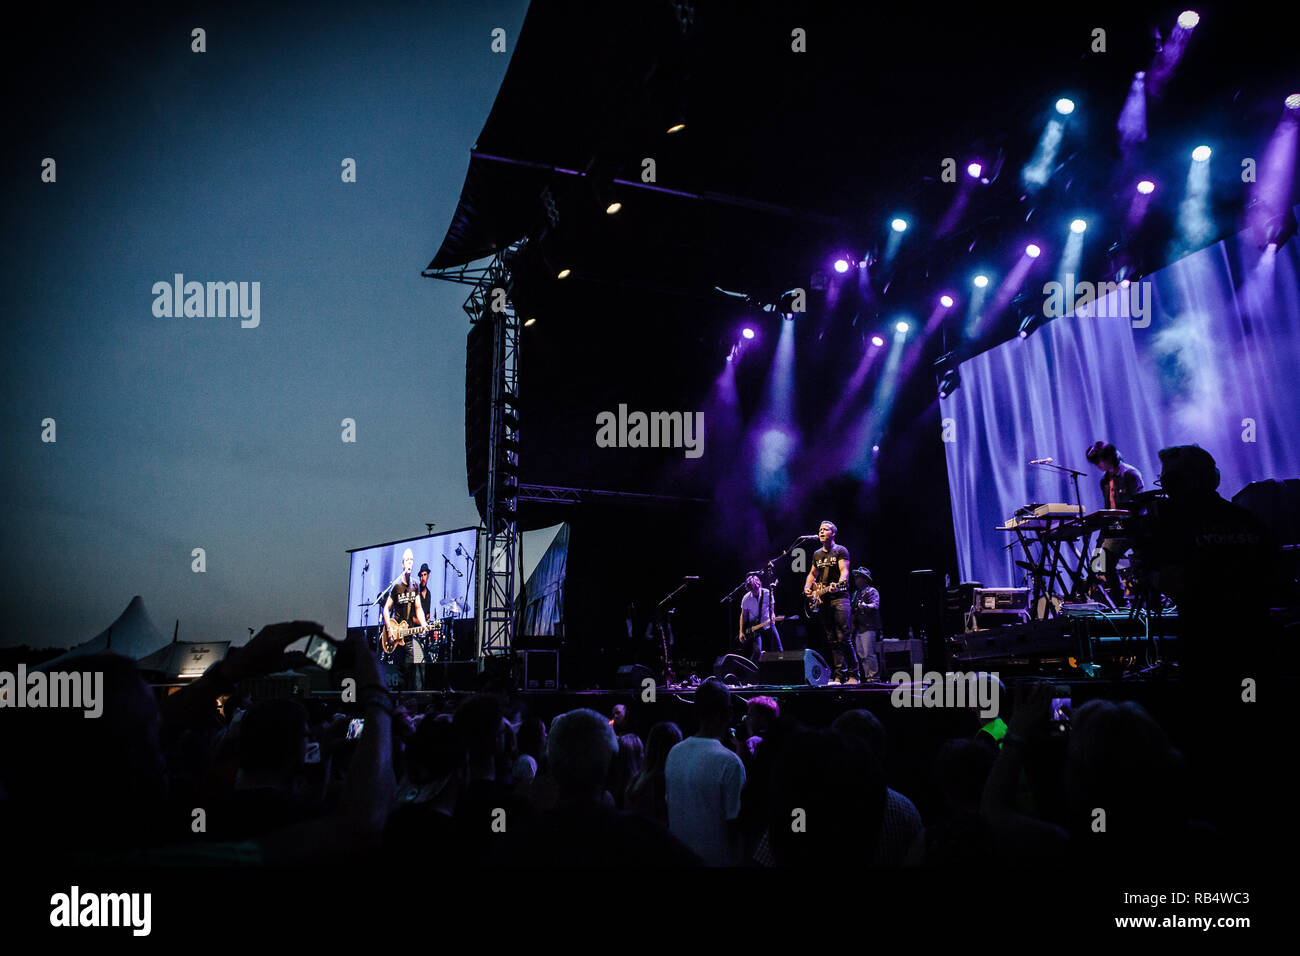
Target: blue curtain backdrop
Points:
(542, 602)
(1222, 347)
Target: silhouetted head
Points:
(961, 769)
(481, 725)
(1187, 469)
(1121, 762)
(580, 749)
(664, 736)
(713, 704)
(827, 791)
(867, 727)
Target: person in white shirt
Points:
(704, 779)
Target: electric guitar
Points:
(821, 591)
(748, 632)
(395, 635)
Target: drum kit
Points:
(433, 647)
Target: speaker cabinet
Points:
(793, 668)
(735, 670)
(633, 677)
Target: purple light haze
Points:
(1132, 122)
(1271, 196)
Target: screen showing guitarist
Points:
(827, 590)
(757, 620)
(403, 609)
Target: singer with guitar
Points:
(757, 620)
(403, 615)
(827, 591)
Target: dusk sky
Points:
(183, 433)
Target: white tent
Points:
(132, 635)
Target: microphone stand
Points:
(661, 616)
(1078, 500)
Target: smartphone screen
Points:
(354, 728)
(1060, 715)
(321, 651)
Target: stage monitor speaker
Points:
(793, 668)
(734, 669)
(633, 677)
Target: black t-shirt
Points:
(826, 566)
(404, 597)
(426, 601)
(1117, 490)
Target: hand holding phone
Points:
(327, 653)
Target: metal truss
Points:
(496, 610)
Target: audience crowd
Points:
(210, 775)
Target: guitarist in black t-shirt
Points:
(827, 589)
(403, 609)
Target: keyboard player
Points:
(1120, 482)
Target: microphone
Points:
(1041, 461)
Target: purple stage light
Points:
(902, 327)
(945, 301)
(1065, 106)
(1079, 225)
(1188, 19)
(747, 332)
(1033, 251)
(974, 170)
(1293, 101)
(877, 341)
(1201, 153)
(899, 225)
(841, 265)
(1146, 187)
(981, 281)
